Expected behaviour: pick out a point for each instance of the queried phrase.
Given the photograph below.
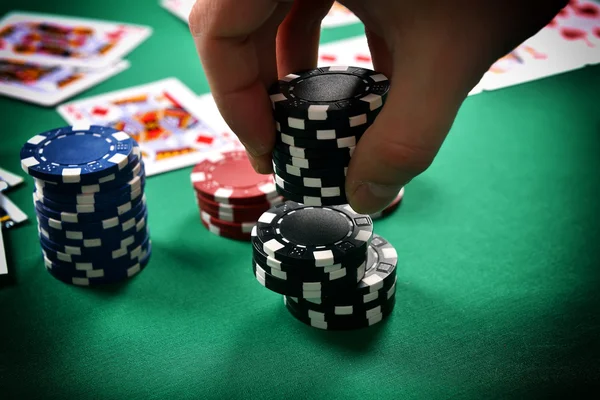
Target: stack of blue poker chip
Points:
(90, 203)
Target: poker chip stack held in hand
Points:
(320, 115)
(90, 203)
(231, 195)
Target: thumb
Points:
(406, 136)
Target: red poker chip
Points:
(229, 178)
(226, 234)
(233, 227)
(233, 215)
(241, 207)
(390, 208)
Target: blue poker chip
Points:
(115, 183)
(78, 154)
(84, 217)
(111, 257)
(111, 252)
(135, 255)
(109, 238)
(97, 277)
(109, 205)
(86, 230)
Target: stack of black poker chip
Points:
(320, 116)
(334, 273)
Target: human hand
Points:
(433, 52)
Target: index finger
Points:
(236, 44)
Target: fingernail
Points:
(369, 197)
(261, 164)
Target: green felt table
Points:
(498, 276)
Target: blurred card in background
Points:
(48, 85)
(10, 214)
(9, 178)
(78, 42)
(570, 41)
(165, 117)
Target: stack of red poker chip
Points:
(231, 195)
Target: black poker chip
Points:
(302, 152)
(282, 124)
(350, 323)
(304, 289)
(318, 182)
(363, 311)
(310, 274)
(339, 143)
(343, 124)
(312, 200)
(346, 302)
(329, 93)
(303, 235)
(336, 171)
(305, 272)
(333, 306)
(380, 276)
(333, 191)
(313, 163)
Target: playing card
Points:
(338, 16)
(180, 8)
(50, 84)
(9, 178)
(575, 31)
(354, 52)
(164, 117)
(213, 118)
(3, 264)
(10, 214)
(569, 42)
(78, 42)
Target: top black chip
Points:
(329, 93)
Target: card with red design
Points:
(172, 125)
(570, 41)
(50, 84)
(77, 42)
(339, 15)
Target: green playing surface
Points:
(498, 277)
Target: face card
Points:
(339, 16)
(77, 42)
(164, 117)
(48, 85)
(180, 8)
